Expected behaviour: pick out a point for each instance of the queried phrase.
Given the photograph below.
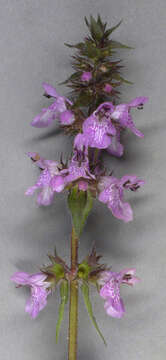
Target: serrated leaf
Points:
(118, 45)
(109, 31)
(64, 300)
(80, 204)
(85, 292)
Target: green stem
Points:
(96, 155)
(73, 307)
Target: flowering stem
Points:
(96, 155)
(73, 307)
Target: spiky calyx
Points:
(90, 268)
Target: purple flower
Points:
(86, 76)
(110, 289)
(39, 291)
(102, 129)
(78, 170)
(121, 114)
(79, 167)
(111, 193)
(98, 129)
(56, 110)
(50, 169)
(54, 178)
(108, 88)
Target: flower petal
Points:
(114, 308)
(37, 279)
(36, 302)
(121, 210)
(81, 142)
(46, 196)
(130, 124)
(96, 132)
(116, 148)
(30, 191)
(20, 278)
(120, 113)
(66, 117)
(58, 183)
(106, 181)
(45, 118)
(50, 90)
(138, 101)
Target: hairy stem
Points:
(73, 307)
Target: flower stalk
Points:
(73, 306)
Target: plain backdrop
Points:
(32, 51)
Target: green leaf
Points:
(85, 292)
(118, 77)
(87, 23)
(96, 30)
(109, 31)
(73, 77)
(80, 204)
(64, 300)
(77, 46)
(102, 25)
(118, 45)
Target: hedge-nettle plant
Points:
(95, 119)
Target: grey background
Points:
(32, 51)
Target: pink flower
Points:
(102, 128)
(99, 129)
(122, 115)
(108, 88)
(110, 289)
(57, 110)
(54, 179)
(50, 169)
(86, 76)
(39, 291)
(111, 192)
(78, 170)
